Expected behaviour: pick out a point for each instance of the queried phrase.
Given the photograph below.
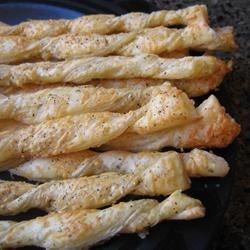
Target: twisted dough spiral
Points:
(68, 134)
(216, 128)
(113, 67)
(108, 24)
(162, 178)
(86, 163)
(192, 87)
(52, 103)
(151, 41)
(74, 229)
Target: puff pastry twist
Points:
(86, 192)
(161, 178)
(68, 134)
(196, 163)
(83, 228)
(113, 67)
(193, 87)
(150, 41)
(52, 103)
(108, 24)
(216, 128)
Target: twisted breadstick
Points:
(74, 133)
(113, 67)
(68, 134)
(96, 191)
(108, 24)
(193, 87)
(215, 129)
(85, 192)
(169, 40)
(196, 163)
(150, 41)
(81, 228)
(52, 103)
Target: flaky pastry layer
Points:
(83, 228)
(216, 128)
(108, 24)
(157, 41)
(64, 135)
(113, 67)
(172, 105)
(196, 163)
(96, 191)
(85, 192)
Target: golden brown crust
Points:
(175, 54)
(7, 125)
(150, 41)
(78, 229)
(202, 86)
(52, 103)
(193, 87)
(85, 192)
(215, 129)
(68, 134)
(78, 132)
(120, 56)
(108, 24)
(165, 104)
(99, 190)
(16, 49)
(165, 110)
(86, 163)
(114, 67)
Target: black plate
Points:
(213, 192)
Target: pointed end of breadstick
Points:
(186, 208)
(220, 129)
(227, 37)
(202, 163)
(191, 213)
(230, 35)
(198, 15)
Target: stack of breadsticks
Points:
(86, 105)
